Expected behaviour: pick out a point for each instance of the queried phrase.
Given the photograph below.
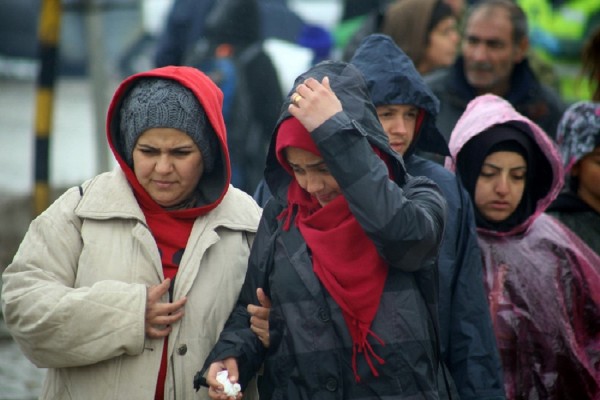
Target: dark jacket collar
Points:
(523, 80)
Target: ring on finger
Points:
(296, 97)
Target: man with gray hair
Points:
(494, 60)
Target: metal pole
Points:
(97, 67)
(49, 32)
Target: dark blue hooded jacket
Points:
(467, 338)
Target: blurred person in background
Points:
(359, 18)
(428, 15)
(542, 281)
(123, 284)
(494, 60)
(186, 22)
(249, 81)
(578, 138)
(591, 63)
(183, 27)
(426, 30)
(356, 8)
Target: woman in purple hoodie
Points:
(542, 281)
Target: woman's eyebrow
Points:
(494, 166)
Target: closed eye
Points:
(148, 150)
(181, 152)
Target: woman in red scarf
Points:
(346, 252)
(122, 286)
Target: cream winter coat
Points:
(74, 297)
(91, 261)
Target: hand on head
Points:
(160, 316)
(317, 104)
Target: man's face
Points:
(490, 52)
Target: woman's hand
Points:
(314, 102)
(259, 317)
(160, 316)
(215, 389)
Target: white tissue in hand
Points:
(230, 389)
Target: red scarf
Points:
(171, 231)
(344, 258)
(171, 235)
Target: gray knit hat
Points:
(164, 103)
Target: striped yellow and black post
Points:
(48, 34)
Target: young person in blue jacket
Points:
(407, 110)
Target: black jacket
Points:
(527, 95)
(578, 216)
(310, 352)
(467, 337)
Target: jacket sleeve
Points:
(55, 324)
(470, 350)
(236, 338)
(405, 222)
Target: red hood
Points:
(209, 96)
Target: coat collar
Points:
(109, 196)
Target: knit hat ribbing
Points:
(164, 103)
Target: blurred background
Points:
(100, 41)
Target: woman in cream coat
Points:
(122, 286)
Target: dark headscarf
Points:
(513, 137)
